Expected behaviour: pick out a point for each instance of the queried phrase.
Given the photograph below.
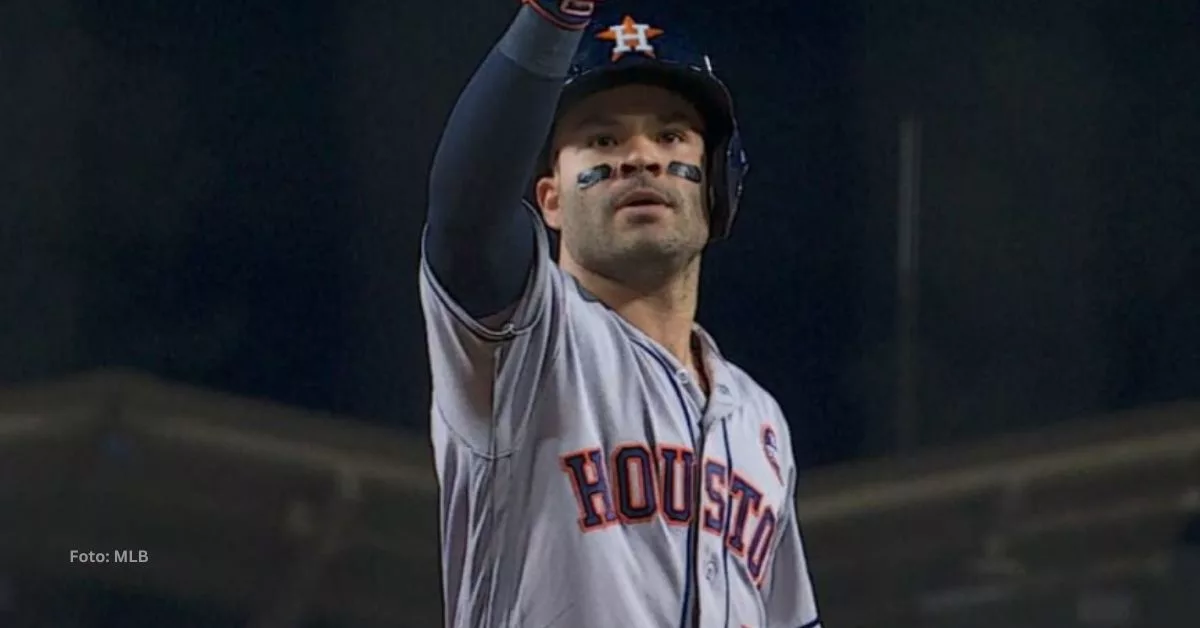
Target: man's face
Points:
(642, 223)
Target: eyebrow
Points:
(675, 117)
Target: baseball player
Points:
(601, 464)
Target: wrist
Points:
(571, 15)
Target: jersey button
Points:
(710, 569)
(682, 377)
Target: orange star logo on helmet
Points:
(630, 36)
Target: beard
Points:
(641, 256)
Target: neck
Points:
(664, 311)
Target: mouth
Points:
(642, 198)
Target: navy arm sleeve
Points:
(479, 240)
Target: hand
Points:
(571, 15)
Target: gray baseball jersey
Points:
(587, 482)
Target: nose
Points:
(641, 158)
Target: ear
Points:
(549, 200)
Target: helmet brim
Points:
(696, 85)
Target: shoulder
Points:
(758, 397)
(762, 406)
(751, 390)
(746, 388)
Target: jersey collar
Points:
(724, 396)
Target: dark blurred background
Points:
(227, 197)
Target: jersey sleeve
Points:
(790, 600)
(486, 372)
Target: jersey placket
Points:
(710, 564)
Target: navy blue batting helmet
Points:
(619, 49)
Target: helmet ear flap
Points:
(718, 200)
(731, 167)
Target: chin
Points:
(650, 247)
(652, 234)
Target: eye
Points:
(672, 137)
(601, 141)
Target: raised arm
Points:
(479, 240)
